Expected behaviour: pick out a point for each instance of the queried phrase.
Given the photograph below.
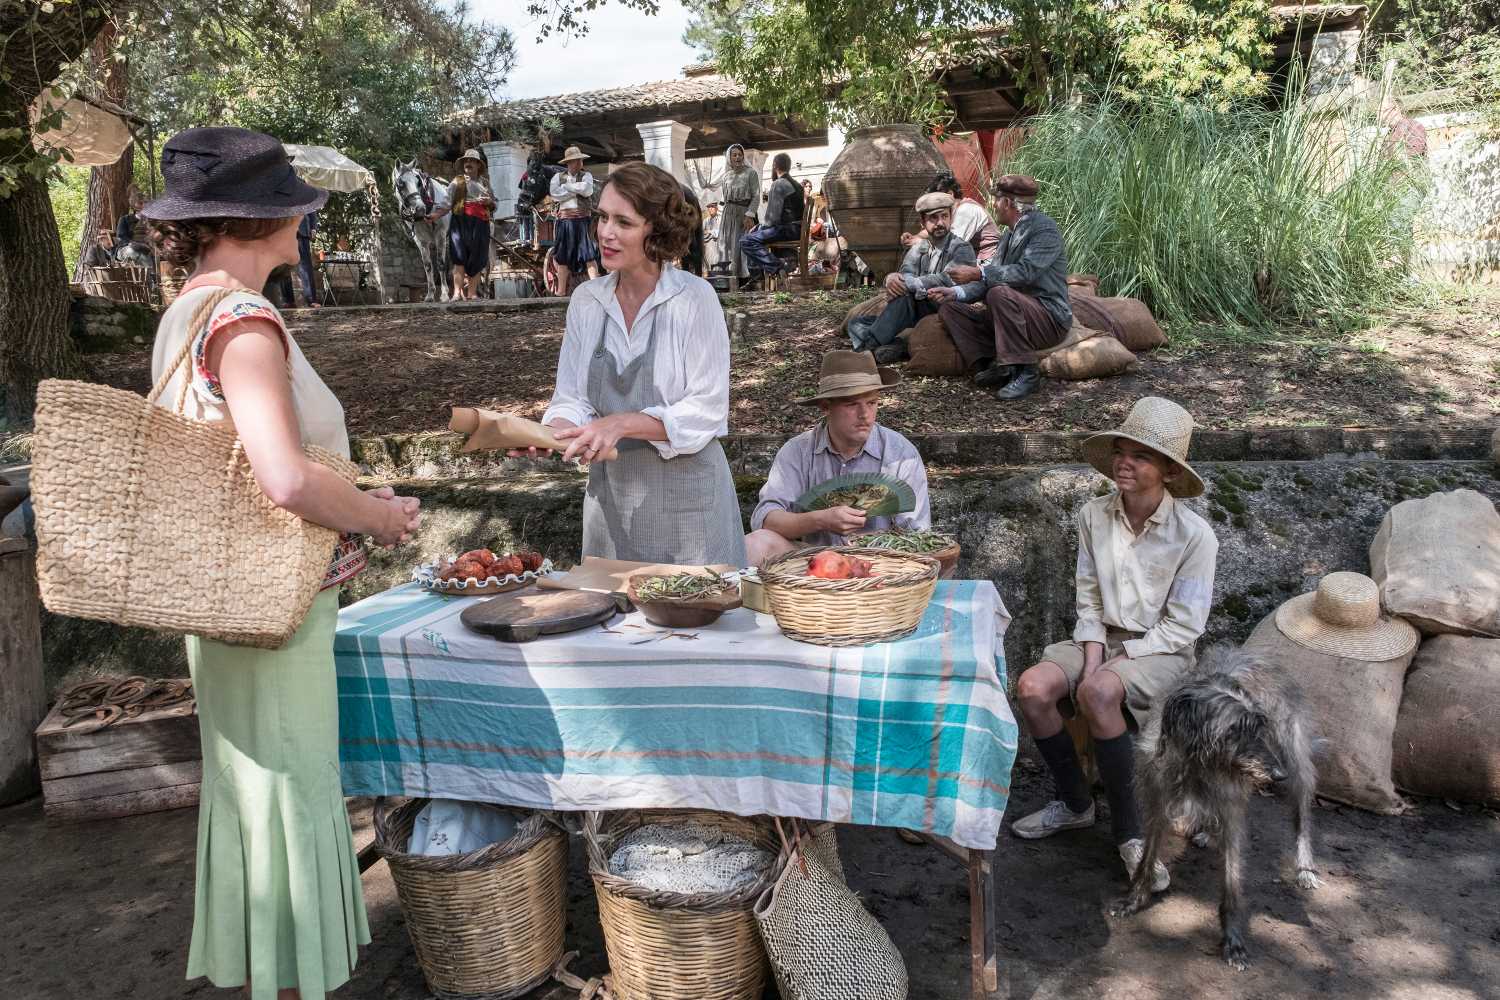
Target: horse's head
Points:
(534, 161)
(410, 186)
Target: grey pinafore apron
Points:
(646, 508)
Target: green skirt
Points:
(278, 899)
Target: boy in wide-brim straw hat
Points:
(1145, 583)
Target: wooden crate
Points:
(146, 764)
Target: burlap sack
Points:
(1089, 311)
(1352, 704)
(1138, 328)
(1083, 284)
(1094, 356)
(1437, 561)
(1447, 741)
(932, 350)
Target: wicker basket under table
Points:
(883, 607)
(673, 946)
(487, 925)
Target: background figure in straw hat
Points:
(469, 233)
(847, 440)
(1024, 289)
(1145, 582)
(573, 192)
(924, 267)
(277, 902)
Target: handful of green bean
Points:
(920, 542)
(682, 586)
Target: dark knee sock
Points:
(1116, 759)
(1062, 760)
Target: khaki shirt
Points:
(1160, 582)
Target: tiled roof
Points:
(1316, 11)
(646, 95)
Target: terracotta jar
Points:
(873, 185)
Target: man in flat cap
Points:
(1024, 289)
(925, 267)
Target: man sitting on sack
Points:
(925, 267)
(1145, 583)
(847, 440)
(1024, 289)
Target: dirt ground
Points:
(400, 370)
(103, 910)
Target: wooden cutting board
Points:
(526, 615)
(608, 576)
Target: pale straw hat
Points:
(1342, 618)
(1160, 425)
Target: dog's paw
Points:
(1308, 879)
(1201, 839)
(1126, 906)
(1235, 954)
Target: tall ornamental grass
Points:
(1241, 217)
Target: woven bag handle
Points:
(200, 318)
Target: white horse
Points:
(419, 196)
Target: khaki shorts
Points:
(1146, 678)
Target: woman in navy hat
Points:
(277, 903)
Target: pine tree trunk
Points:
(108, 186)
(34, 339)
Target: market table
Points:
(915, 734)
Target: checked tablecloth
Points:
(915, 734)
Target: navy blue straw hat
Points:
(233, 173)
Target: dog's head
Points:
(1211, 727)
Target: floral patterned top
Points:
(319, 413)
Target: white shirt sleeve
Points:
(697, 410)
(570, 397)
(967, 220)
(557, 188)
(1090, 603)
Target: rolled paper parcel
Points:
(491, 431)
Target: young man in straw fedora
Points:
(846, 441)
(1145, 583)
(573, 194)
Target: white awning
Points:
(327, 168)
(91, 135)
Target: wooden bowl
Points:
(683, 614)
(947, 557)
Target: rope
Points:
(111, 699)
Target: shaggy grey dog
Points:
(1233, 726)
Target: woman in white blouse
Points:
(644, 369)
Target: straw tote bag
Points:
(149, 518)
(823, 944)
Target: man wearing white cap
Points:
(924, 267)
(1145, 583)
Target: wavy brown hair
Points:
(181, 242)
(657, 196)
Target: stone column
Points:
(1334, 62)
(507, 162)
(666, 146)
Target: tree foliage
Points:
(1445, 45)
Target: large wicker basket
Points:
(486, 925)
(885, 606)
(673, 946)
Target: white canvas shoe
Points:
(1052, 818)
(1131, 853)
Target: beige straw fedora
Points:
(1342, 618)
(471, 154)
(851, 373)
(573, 153)
(1160, 425)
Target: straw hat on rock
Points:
(851, 373)
(1342, 618)
(1160, 425)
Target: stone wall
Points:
(400, 264)
(1280, 525)
(99, 324)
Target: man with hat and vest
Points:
(1145, 582)
(924, 267)
(846, 441)
(573, 194)
(1024, 290)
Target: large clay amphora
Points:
(873, 186)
